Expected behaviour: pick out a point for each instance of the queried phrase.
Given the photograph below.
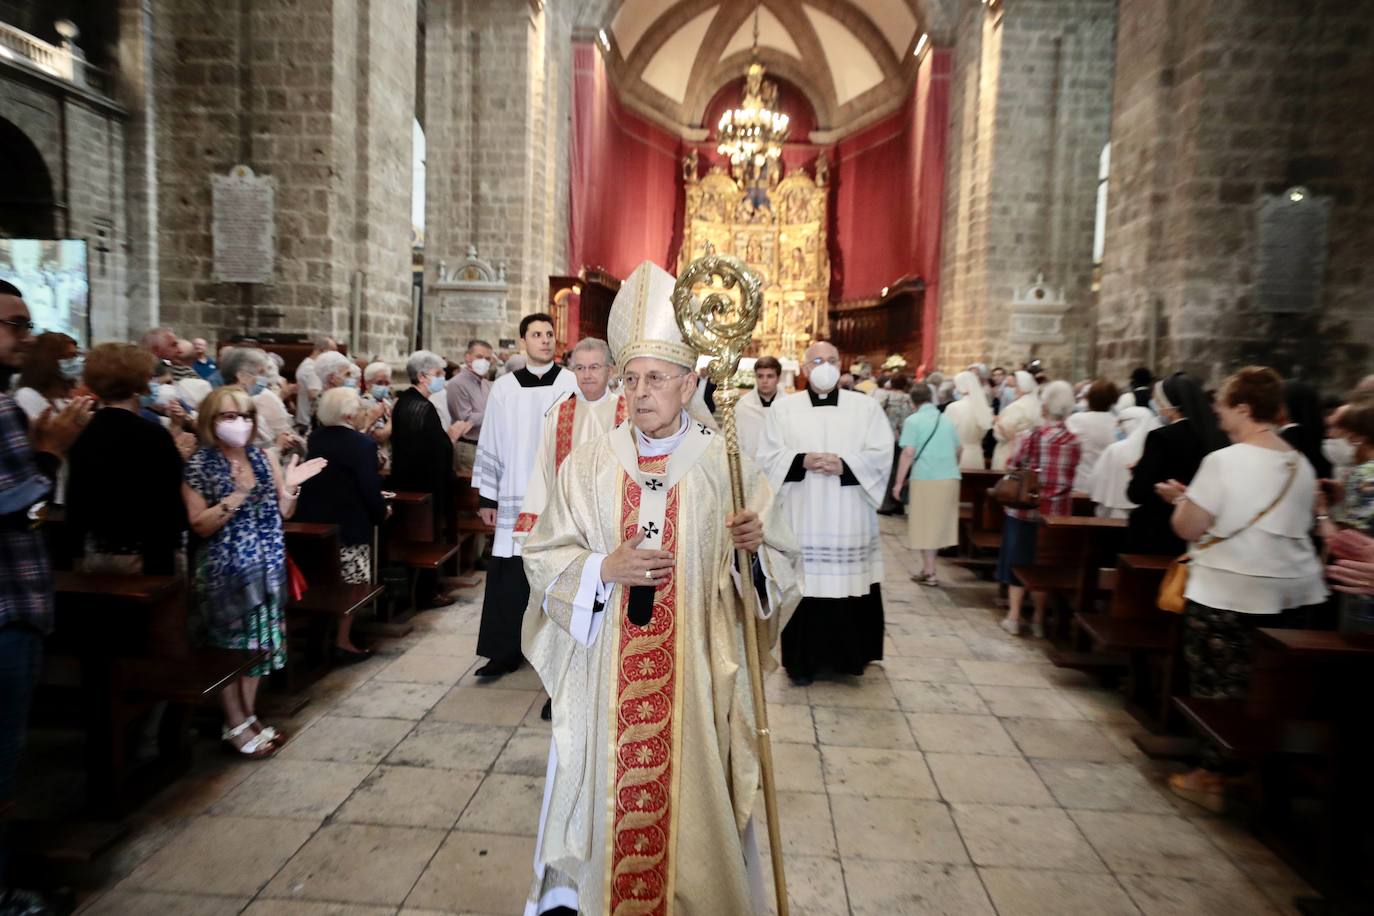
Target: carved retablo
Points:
(782, 240)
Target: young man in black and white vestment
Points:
(511, 431)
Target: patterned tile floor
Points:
(963, 775)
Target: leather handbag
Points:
(1018, 489)
(1175, 582)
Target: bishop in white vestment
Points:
(828, 453)
(635, 630)
(511, 431)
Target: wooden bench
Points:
(121, 642)
(980, 519)
(413, 540)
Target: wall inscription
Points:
(1291, 251)
(243, 227)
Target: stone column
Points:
(1218, 105)
(1031, 105)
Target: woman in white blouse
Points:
(1095, 429)
(1247, 515)
(1017, 418)
(971, 417)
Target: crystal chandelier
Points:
(751, 136)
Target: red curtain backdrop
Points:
(888, 198)
(625, 178)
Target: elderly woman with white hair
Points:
(251, 369)
(377, 403)
(347, 493)
(1054, 453)
(1017, 418)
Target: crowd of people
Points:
(168, 460)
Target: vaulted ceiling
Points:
(852, 58)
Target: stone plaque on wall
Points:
(1037, 314)
(1291, 251)
(243, 226)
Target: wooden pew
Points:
(412, 539)
(980, 534)
(1069, 551)
(465, 520)
(121, 641)
(314, 548)
(1305, 723)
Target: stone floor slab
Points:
(293, 789)
(934, 670)
(481, 706)
(1014, 836)
(229, 856)
(1005, 674)
(863, 727)
(924, 696)
(456, 645)
(119, 902)
(426, 669)
(913, 889)
(526, 678)
(931, 647)
(798, 767)
(877, 772)
(314, 908)
(1028, 702)
(1155, 844)
(476, 873)
(505, 804)
(1062, 739)
(954, 733)
(815, 886)
(391, 700)
(1019, 892)
(1101, 786)
(981, 779)
(903, 829)
(868, 692)
(346, 739)
(451, 746)
(806, 825)
(411, 797)
(791, 723)
(526, 754)
(357, 863)
(1161, 896)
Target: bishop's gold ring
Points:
(648, 574)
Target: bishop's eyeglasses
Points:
(654, 380)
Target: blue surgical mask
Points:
(436, 384)
(380, 392)
(350, 383)
(71, 368)
(259, 384)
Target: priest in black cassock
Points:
(511, 431)
(828, 454)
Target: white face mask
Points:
(825, 377)
(234, 433)
(481, 366)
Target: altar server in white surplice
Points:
(828, 453)
(511, 430)
(635, 629)
(752, 410)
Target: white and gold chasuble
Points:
(653, 772)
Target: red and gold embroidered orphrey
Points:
(563, 432)
(645, 755)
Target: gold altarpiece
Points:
(782, 239)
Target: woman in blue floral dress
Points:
(236, 498)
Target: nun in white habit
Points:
(1017, 418)
(971, 417)
(1112, 475)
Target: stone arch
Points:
(28, 203)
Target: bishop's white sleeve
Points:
(591, 592)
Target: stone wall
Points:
(318, 94)
(81, 138)
(1030, 110)
(498, 84)
(1218, 103)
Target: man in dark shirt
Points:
(29, 458)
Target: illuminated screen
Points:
(51, 273)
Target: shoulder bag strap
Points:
(922, 450)
(1288, 484)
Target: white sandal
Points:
(258, 747)
(267, 731)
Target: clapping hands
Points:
(298, 472)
